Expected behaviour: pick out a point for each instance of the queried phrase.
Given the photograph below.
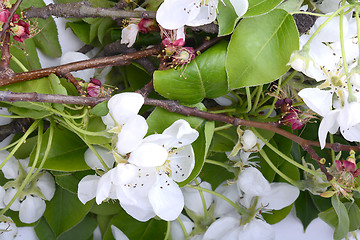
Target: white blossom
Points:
(30, 203)
(129, 34)
(173, 14)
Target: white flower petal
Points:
(182, 163)
(2, 195)
(123, 106)
(331, 31)
(166, 198)
(8, 230)
(240, 6)
(141, 213)
(177, 231)
(70, 57)
(11, 168)
(131, 134)
(148, 155)
(31, 209)
(320, 101)
(104, 187)
(129, 34)
(124, 173)
(280, 196)
(220, 227)
(183, 132)
(118, 234)
(94, 163)
(257, 229)
(252, 182)
(352, 133)
(206, 15)
(87, 188)
(350, 115)
(174, 14)
(26, 233)
(328, 124)
(9, 194)
(222, 207)
(46, 184)
(135, 191)
(193, 199)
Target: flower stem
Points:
(283, 155)
(258, 94)
(19, 63)
(183, 228)
(224, 127)
(236, 206)
(20, 142)
(281, 174)
(307, 44)
(202, 200)
(167, 235)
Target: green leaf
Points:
(354, 216)
(64, 211)
(306, 210)
(133, 229)
(44, 231)
(96, 125)
(260, 49)
(28, 56)
(106, 208)
(291, 5)
(66, 153)
(204, 76)
(100, 109)
(227, 18)
(225, 140)
(104, 27)
(57, 88)
(70, 180)
(259, 7)
(161, 119)
(80, 29)
(82, 231)
(47, 37)
(342, 228)
(276, 216)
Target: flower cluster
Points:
(337, 98)
(251, 192)
(30, 201)
(147, 169)
(19, 28)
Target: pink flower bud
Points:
(4, 15)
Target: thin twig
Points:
(75, 82)
(83, 10)
(5, 71)
(81, 65)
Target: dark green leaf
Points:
(28, 56)
(306, 210)
(64, 211)
(106, 208)
(44, 231)
(204, 77)
(260, 49)
(66, 153)
(96, 125)
(104, 27)
(81, 30)
(133, 229)
(276, 216)
(82, 231)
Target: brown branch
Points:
(81, 65)
(317, 158)
(172, 106)
(75, 82)
(5, 71)
(83, 10)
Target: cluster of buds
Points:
(19, 28)
(175, 52)
(290, 115)
(95, 89)
(345, 176)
